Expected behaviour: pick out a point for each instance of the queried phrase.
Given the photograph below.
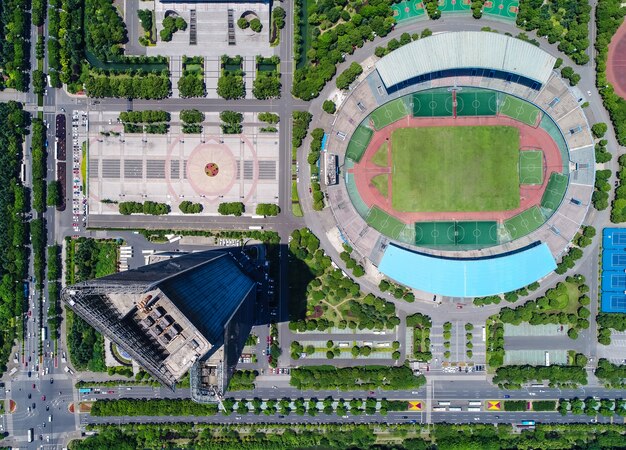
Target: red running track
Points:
(616, 62)
(530, 138)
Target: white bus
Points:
(439, 408)
(255, 227)
(257, 216)
(484, 334)
(44, 334)
(455, 408)
(547, 358)
(23, 173)
(475, 403)
(31, 435)
(474, 409)
(443, 403)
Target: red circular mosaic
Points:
(211, 169)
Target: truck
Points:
(31, 434)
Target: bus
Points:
(455, 408)
(484, 334)
(443, 403)
(23, 173)
(439, 408)
(31, 434)
(547, 358)
(528, 423)
(258, 216)
(255, 227)
(44, 334)
(84, 391)
(474, 409)
(475, 403)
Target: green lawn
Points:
(455, 168)
(380, 157)
(381, 184)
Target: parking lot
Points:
(80, 123)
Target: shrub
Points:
(329, 106)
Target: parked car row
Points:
(79, 202)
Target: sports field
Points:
(555, 190)
(524, 223)
(358, 143)
(519, 110)
(439, 169)
(388, 113)
(531, 167)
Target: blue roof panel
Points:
(467, 277)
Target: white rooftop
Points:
(465, 49)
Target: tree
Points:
(599, 129)
(53, 194)
(266, 85)
(231, 87)
(329, 106)
(278, 14)
(232, 208)
(256, 25)
(243, 23)
(347, 77)
(188, 207)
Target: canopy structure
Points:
(467, 277)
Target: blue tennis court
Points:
(613, 270)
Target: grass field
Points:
(358, 143)
(524, 223)
(380, 157)
(455, 169)
(380, 182)
(519, 110)
(555, 190)
(388, 113)
(531, 167)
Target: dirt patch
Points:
(12, 406)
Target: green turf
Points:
(388, 113)
(555, 190)
(503, 9)
(435, 233)
(476, 233)
(432, 104)
(380, 157)
(359, 142)
(455, 168)
(380, 182)
(476, 103)
(524, 223)
(531, 167)
(519, 110)
(389, 225)
(408, 9)
(456, 6)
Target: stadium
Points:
(466, 164)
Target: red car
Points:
(34, 387)
(459, 306)
(43, 398)
(30, 313)
(111, 392)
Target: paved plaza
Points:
(208, 168)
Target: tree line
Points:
(355, 378)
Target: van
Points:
(50, 418)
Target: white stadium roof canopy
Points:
(465, 50)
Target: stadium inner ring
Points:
(405, 88)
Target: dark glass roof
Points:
(209, 294)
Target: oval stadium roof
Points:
(465, 49)
(467, 277)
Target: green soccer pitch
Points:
(444, 169)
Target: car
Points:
(497, 417)
(28, 409)
(372, 393)
(594, 420)
(34, 386)
(30, 313)
(459, 306)
(507, 396)
(405, 417)
(33, 405)
(51, 381)
(110, 392)
(43, 398)
(29, 396)
(47, 407)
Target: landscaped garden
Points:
(191, 84)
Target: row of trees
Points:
(398, 291)
(54, 274)
(355, 378)
(612, 375)
(568, 261)
(421, 324)
(602, 187)
(148, 207)
(231, 209)
(128, 84)
(39, 165)
(65, 43)
(146, 116)
(152, 407)
(13, 229)
(300, 127)
(267, 209)
(347, 77)
(618, 206)
(606, 322)
(592, 407)
(187, 207)
(242, 380)
(395, 44)
(512, 377)
(230, 84)
(266, 85)
(351, 263)
(317, 136)
(15, 44)
(192, 121)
